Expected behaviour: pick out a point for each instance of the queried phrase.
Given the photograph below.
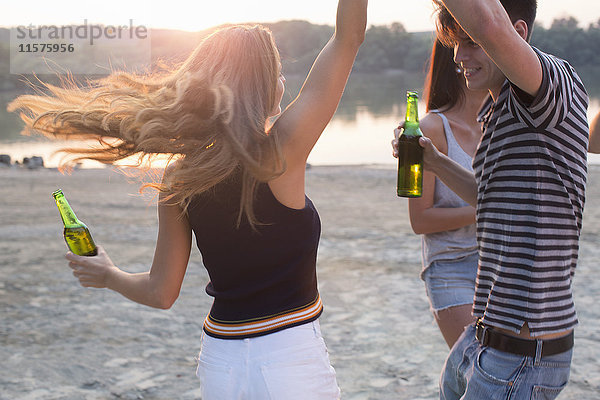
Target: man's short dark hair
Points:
(449, 30)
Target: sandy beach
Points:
(61, 341)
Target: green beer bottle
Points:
(410, 153)
(76, 234)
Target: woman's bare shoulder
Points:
(432, 126)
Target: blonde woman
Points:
(237, 185)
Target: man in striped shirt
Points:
(529, 189)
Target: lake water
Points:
(359, 133)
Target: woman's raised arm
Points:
(303, 121)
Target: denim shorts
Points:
(289, 364)
(451, 283)
(475, 372)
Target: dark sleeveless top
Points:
(262, 281)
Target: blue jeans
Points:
(475, 372)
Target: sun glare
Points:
(222, 12)
(178, 14)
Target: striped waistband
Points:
(265, 325)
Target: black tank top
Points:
(262, 281)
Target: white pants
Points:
(286, 365)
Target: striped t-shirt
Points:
(531, 169)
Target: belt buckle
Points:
(482, 333)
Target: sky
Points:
(188, 15)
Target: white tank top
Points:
(457, 243)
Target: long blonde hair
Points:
(212, 111)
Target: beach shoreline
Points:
(61, 341)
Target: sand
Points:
(61, 341)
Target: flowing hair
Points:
(211, 113)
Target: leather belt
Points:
(487, 336)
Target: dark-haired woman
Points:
(445, 221)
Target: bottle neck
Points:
(66, 212)
(412, 111)
(411, 124)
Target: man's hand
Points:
(431, 155)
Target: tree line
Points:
(386, 47)
(390, 61)
(391, 47)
